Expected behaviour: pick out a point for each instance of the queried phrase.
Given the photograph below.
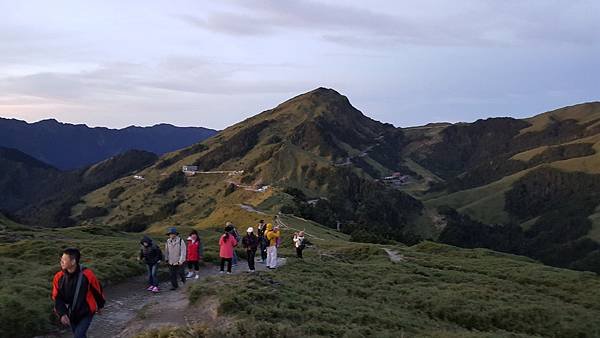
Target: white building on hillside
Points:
(190, 169)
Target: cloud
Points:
(119, 92)
(431, 23)
(111, 62)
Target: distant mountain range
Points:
(72, 146)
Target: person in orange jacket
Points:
(77, 293)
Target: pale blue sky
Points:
(201, 63)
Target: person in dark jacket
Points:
(250, 243)
(262, 240)
(152, 255)
(77, 293)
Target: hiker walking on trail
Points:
(77, 293)
(175, 254)
(250, 243)
(233, 231)
(299, 243)
(226, 244)
(194, 254)
(272, 235)
(152, 255)
(262, 240)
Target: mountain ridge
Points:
(70, 146)
(318, 157)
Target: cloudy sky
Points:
(214, 63)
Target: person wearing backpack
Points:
(299, 243)
(262, 240)
(227, 243)
(250, 243)
(272, 236)
(77, 293)
(152, 255)
(175, 255)
(194, 254)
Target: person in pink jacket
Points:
(226, 244)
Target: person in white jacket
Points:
(299, 243)
(175, 254)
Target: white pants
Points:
(272, 257)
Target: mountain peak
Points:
(324, 91)
(320, 103)
(320, 94)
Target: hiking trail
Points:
(130, 309)
(394, 256)
(282, 224)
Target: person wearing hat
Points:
(250, 243)
(175, 254)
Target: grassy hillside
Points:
(316, 143)
(38, 194)
(341, 288)
(493, 170)
(30, 257)
(320, 145)
(432, 290)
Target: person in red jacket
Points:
(77, 293)
(194, 254)
(226, 244)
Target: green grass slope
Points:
(348, 289)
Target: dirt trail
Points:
(394, 256)
(130, 309)
(282, 224)
(250, 208)
(278, 220)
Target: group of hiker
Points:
(78, 295)
(178, 252)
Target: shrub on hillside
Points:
(175, 179)
(115, 192)
(93, 212)
(230, 188)
(361, 206)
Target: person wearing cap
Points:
(175, 254)
(250, 243)
(272, 235)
